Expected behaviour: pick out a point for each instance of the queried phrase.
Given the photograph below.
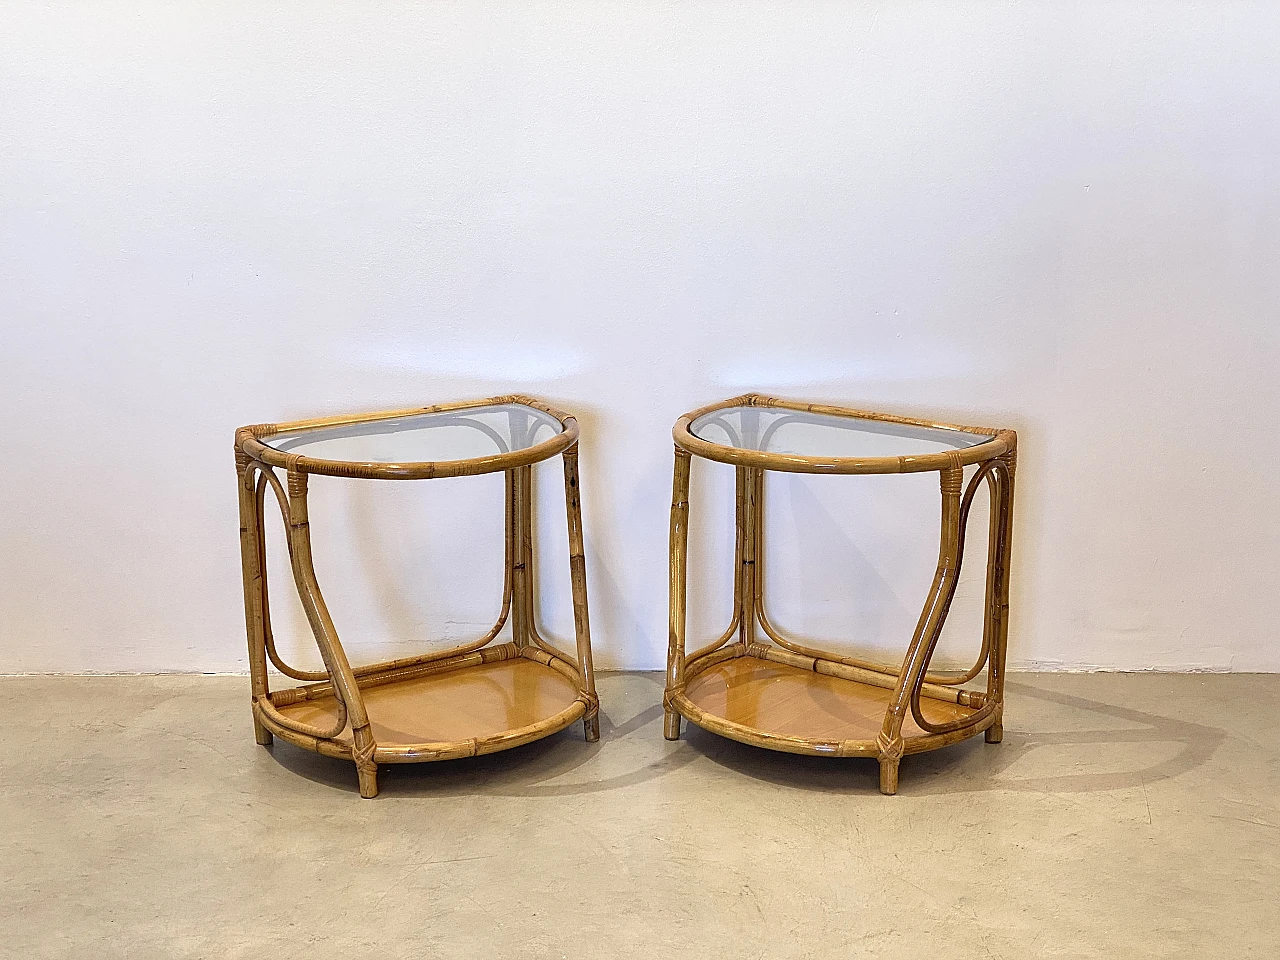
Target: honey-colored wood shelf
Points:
(484, 708)
(797, 710)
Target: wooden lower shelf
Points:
(479, 703)
(788, 708)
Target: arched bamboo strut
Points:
(930, 623)
(995, 473)
(265, 474)
(578, 583)
(736, 619)
(331, 652)
(338, 670)
(772, 632)
(266, 477)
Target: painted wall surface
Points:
(1060, 217)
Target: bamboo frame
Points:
(974, 711)
(350, 734)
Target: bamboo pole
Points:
(998, 584)
(578, 574)
(679, 541)
(254, 577)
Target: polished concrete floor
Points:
(1124, 816)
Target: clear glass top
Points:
(425, 437)
(799, 433)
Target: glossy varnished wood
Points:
(817, 713)
(478, 703)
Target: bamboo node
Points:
(1011, 460)
(952, 475)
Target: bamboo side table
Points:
(472, 699)
(792, 696)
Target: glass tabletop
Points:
(800, 433)
(425, 437)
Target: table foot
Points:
(995, 733)
(671, 725)
(261, 734)
(368, 781)
(591, 728)
(888, 777)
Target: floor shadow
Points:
(974, 766)
(531, 770)
(537, 769)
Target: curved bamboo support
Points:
(695, 665)
(738, 563)
(931, 618)
(265, 476)
(285, 502)
(805, 650)
(719, 642)
(331, 652)
(268, 478)
(988, 472)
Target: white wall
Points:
(1060, 217)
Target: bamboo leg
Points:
(520, 531)
(679, 542)
(998, 583)
(750, 516)
(251, 545)
(931, 617)
(368, 776)
(578, 573)
(889, 775)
